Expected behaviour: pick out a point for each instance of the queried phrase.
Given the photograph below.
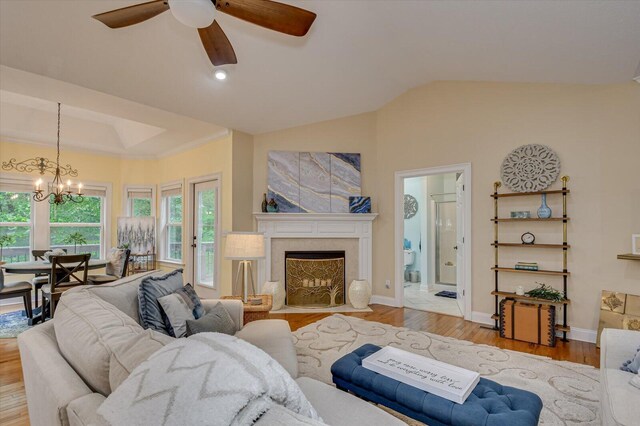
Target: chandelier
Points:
(56, 192)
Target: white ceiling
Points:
(357, 56)
(92, 121)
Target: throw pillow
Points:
(151, 289)
(116, 262)
(180, 306)
(217, 319)
(177, 313)
(635, 381)
(208, 379)
(633, 365)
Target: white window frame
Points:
(40, 227)
(127, 203)
(8, 184)
(188, 212)
(164, 222)
(104, 224)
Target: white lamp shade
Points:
(193, 13)
(244, 246)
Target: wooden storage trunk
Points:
(528, 322)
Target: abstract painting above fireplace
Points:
(315, 279)
(313, 182)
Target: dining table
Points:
(43, 267)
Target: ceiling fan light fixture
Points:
(193, 13)
(220, 74)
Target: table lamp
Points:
(245, 247)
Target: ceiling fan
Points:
(200, 14)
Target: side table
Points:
(255, 312)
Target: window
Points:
(171, 217)
(15, 226)
(79, 227)
(139, 201)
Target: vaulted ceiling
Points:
(357, 56)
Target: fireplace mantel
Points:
(315, 217)
(317, 226)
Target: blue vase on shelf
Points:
(544, 212)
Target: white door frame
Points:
(187, 238)
(465, 169)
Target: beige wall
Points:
(351, 134)
(594, 129)
(212, 157)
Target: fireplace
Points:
(315, 279)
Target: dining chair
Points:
(66, 272)
(115, 269)
(17, 289)
(40, 279)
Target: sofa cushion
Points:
(87, 328)
(82, 411)
(619, 398)
(126, 356)
(216, 320)
(122, 293)
(151, 289)
(332, 404)
(274, 337)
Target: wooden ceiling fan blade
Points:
(269, 14)
(217, 45)
(131, 15)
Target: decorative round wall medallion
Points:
(530, 168)
(410, 206)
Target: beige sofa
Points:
(620, 400)
(59, 394)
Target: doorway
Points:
(433, 220)
(203, 233)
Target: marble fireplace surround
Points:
(316, 232)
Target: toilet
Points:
(409, 258)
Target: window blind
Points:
(139, 193)
(171, 191)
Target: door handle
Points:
(193, 245)
(455, 247)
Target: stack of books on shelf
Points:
(527, 266)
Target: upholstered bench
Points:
(490, 404)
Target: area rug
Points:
(335, 309)
(570, 392)
(449, 294)
(12, 324)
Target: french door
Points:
(204, 232)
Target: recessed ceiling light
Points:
(220, 74)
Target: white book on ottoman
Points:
(436, 377)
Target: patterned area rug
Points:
(12, 324)
(570, 392)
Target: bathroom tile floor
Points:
(417, 298)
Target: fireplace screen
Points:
(314, 279)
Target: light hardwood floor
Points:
(13, 404)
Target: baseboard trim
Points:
(580, 334)
(583, 335)
(481, 318)
(384, 300)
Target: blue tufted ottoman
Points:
(489, 404)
